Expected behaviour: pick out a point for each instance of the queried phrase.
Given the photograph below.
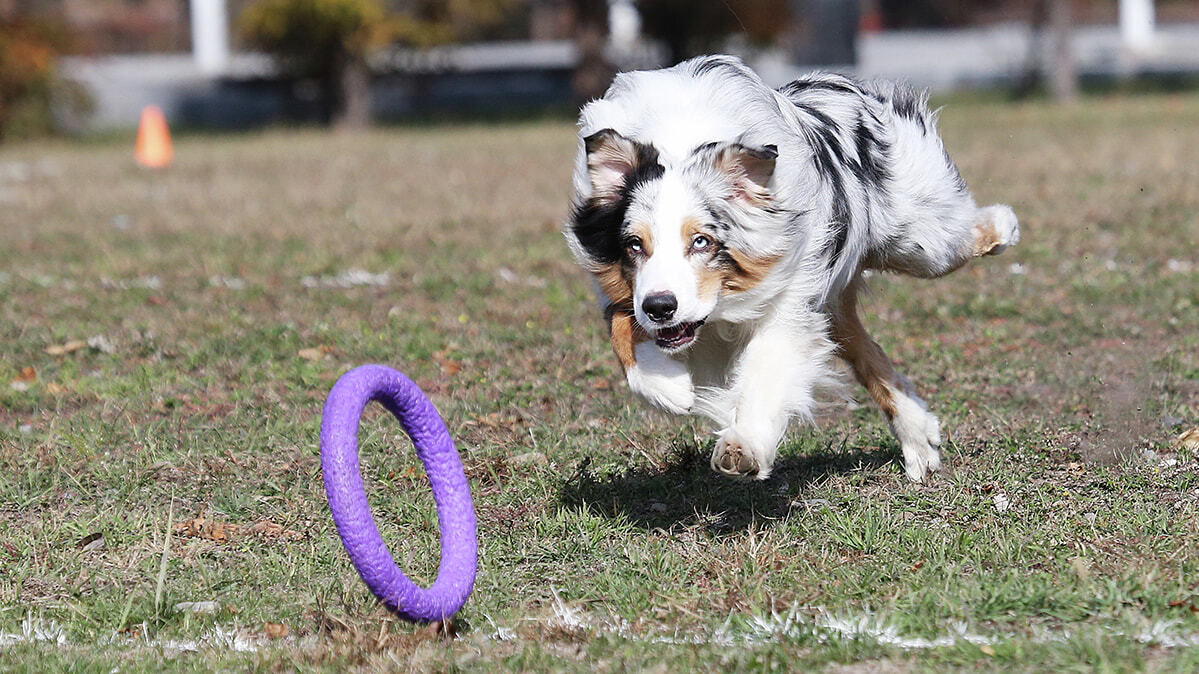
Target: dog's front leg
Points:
(774, 377)
(661, 380)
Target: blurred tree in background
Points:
(692, 27)
(593, 72)
(31, 89)
(330, 40)
(327, 40)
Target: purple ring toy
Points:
(352, 513)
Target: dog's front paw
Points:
(735, 457)
(663, 381)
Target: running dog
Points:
(728, 225)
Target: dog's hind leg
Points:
(995, 230)
(943, 244)
(917, 429)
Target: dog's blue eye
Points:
(700, 243)
(634, 245)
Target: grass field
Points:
(168, 340)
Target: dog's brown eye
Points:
(700, 242)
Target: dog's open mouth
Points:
(678, 336)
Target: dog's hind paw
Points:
(919, 459)
(919, 434)
(995, 230)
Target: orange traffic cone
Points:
(154, 148)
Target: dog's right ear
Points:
(612, 160)
(748, 170)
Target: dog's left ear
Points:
(748, 169)
(612, 160)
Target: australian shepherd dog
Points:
(728, 226)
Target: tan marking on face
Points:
(626, 333)
(708, 280)
(749, 272)
(870, 364)
(642, 231)
(615, 285)
(691, 227)
(708, 283)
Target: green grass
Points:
(606, 542)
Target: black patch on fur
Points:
(764, 152)
(714, 63)
(907, 105)
(724, 260)
(830, 170)
(830, 161)
(872, 154)
(719, 219)
(840, 225)
(796, 86)
(599, 224)
(822, 119)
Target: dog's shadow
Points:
(684, 492)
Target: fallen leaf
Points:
(1188, 440)
(269, 529)
(1002, 502)
(986, 648)
(200, 607)
(211, 530)
(602, 385)
(1082, 568)
(69, 347)
(315, 353)
(449, 367)
(530, 459)
(27, 375)
(497, 420)
(276, 630)
(92, 542)
(54, 388)
(440, 629)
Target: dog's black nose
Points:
(660, 306)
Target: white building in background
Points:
(210, 36)
(1137, 24)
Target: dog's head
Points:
(667, 243)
